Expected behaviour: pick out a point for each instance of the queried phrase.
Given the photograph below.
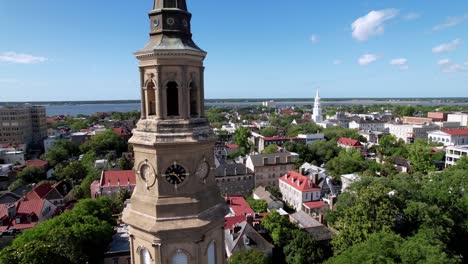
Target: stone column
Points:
(159, 109)
(201, 102)
(184, 107)
(143, 94)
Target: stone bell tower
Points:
(176, 215)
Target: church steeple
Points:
(176, 214)
(170, 17)
(179, 4)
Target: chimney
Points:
(225, 172)
(332, 202)
(315, 178)
(11, 211)
(250, 219)
(235, 171)
(321, 218)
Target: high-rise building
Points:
(317, 115)
(22, 124)
(176, 214)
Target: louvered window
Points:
(180, 258)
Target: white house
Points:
(455, 153)
(298, 189)
(449, 137)
(311, 138)
(410, 133)
(461, 118)
(368, 125)
(347, 180)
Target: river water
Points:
(89, 109)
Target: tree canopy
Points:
(79, 236)
(249, 257)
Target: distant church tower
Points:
(317, 115)
(176, 215)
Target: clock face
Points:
(147, 174)
(176, 174)
(170, 21)
(156, 22)
(203, 170)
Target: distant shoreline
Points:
(277, 100)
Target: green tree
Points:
(249, 256)
(73, 173)
(379, 248)
(372, 210)
(270, 149)
(303, 249)
(420, 158)
(78, 125)
(259, 206)
(79, 236)
(103, 143)
(268, 131)
(32, 175)
(348, 161)
(241, 138)
(125, 164)
(61, 151)
(278, 227)
(307, 128)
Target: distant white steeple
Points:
(317, 114)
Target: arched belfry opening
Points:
(170, 3)
(172, 99)
(151, 98)
(194, 100)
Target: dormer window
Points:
(18, 220)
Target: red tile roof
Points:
(314, 205)
(349, 142)
(118, 178)
(231, 221)
(36, 163)
(239, 206)
(457, 132)
(232, 146)
(121, 132)
(29, 207)
(299, 182)
(24, 208)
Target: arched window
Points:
(212, 253)
(172, 99)
(170, 3)
(193, 100)
(180, 258)
(145, 256)
(151, 95)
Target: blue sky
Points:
(83, 50)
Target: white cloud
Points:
(446, 47)
(367, 59)
(337, 62)
(8, 80)
(13, 57)
(411, 16)
(404, 67)
(448, 66)
(451, 22)
(372, 24)
(400, 61)
(443, 62)
(314, 38)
